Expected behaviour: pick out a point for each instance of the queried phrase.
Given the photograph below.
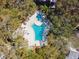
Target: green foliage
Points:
(44, 8)
(64, 17)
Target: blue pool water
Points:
(38, 31)
(40, 16)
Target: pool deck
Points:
(28, 31)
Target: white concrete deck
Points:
(28, 32)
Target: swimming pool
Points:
(38, 31)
